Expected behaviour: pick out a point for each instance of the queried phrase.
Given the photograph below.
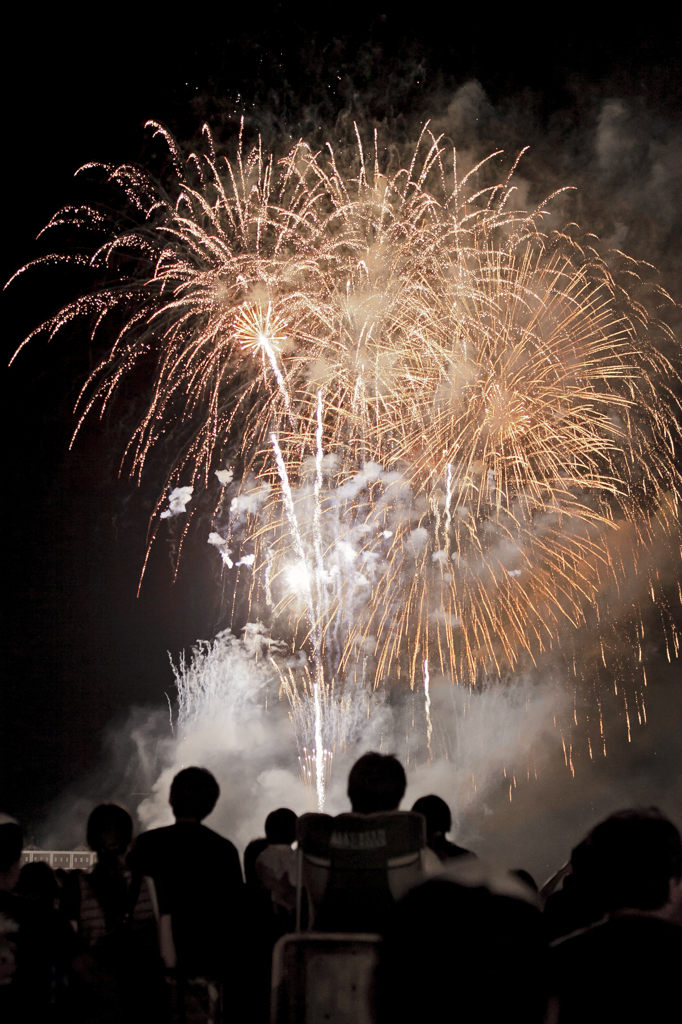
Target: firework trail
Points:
(453, 433)
(318, 681)
(427, 703)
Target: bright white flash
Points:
(297, 577)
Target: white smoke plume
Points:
(231, 720)
(178, 499)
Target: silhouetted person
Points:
(119, 970)
(438, 823)
(37, 882)
(276, 865)
(376, 783)
(198, 879)
(108, 901)
(466, 946)
(13, 914)
(358, 893)
(278, 826)
(625, 968)
(32, 964)
(271, 895)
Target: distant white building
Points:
(65, 859)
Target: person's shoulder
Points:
(571, 954)
(16, 908)
(35, 922)
(446, 851)
(215, 840)
(589, 934)
(149, 847)
(256, 844)
(452, 850)
(276, 854)
(619, 933)
(155, 835)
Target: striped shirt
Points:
(92, 925)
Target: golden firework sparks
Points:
(455, 428)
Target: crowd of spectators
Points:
(167, 927)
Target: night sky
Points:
(79, 647)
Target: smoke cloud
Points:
(231, 721)
(178, 500)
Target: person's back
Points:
(466, 946)
(358, 899)
(625, 968)
(118, 969)
(197, 874)
(276, 865)
(38, 884)
(27, 953)
(199, 883)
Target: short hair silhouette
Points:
(437, 814)
(110, 829)
(280, 826)
(38, 882)
(376, 783)
(630, 858)
(495, 940)
(193, 793)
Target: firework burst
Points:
(448, 424)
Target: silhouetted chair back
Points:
(324, 979)
(355, 866)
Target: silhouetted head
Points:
(37, 882)
(489, 926)
(11, 842)
(630, 859)
(376, 783)
(280, 826)
(110, 830)
(437, 814)
(193, 794)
